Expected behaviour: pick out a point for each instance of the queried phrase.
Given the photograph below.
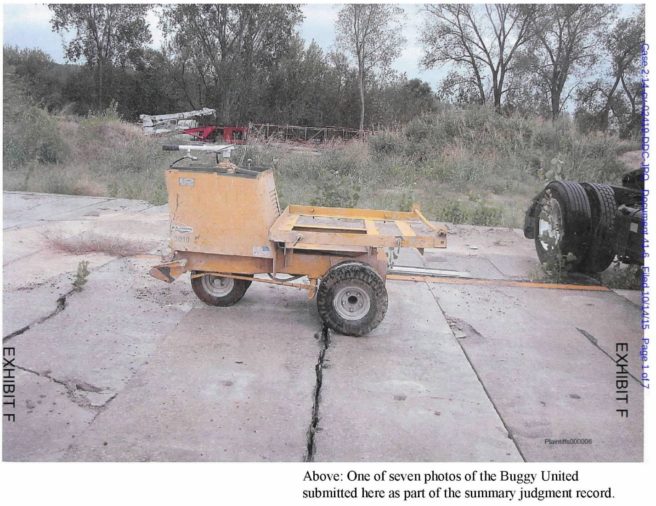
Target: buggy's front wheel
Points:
(352, 298)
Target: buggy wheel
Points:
(562, 225)
(217, 290)
(352, 298)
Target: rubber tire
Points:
(363, 276)
(235, 295)
(576, 216)
(602, 242)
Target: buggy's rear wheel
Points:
(218, 290)
(352, 298)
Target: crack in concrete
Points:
(595, 343)
(510, 433)
(324, 341)
(61, 305)
(75, 390)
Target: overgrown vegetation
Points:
(460, 164)
(97, 154)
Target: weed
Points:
(453, 212)
(335, 193)
(407, 201)
(95, 243)
(81, 276)
(621, 276)
(486, 215)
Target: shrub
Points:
(487, 215)
(386, 143)
(453, 212)
(31, 135)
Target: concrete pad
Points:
(23, 209)
(406, 392)
(515, 267)
(43, 269)
(238, 383)
(108, 329)
(547, 379)
(145, 227)
(477, 265)
(47, 421)
(108, 208)
(36, 273)
(410, 257)
(22, 243)
(40, 240)
(26, 304)
(229, 384)
(603, 318)
(96, 344)
(634, 296)
(463, 239)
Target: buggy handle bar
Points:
(220, 148)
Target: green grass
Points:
(95, 155)
(461, 165)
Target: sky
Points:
(27, 26)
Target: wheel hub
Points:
(550, 224)
(352, 303)
(217, 286)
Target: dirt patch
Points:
(90, 242)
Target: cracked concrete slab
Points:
(239, 383)
(100, 339)
(29, 303)
(46, 265)
(229, 384)
(406, 392)
(548, 381)
(47, 421)
(88, 342)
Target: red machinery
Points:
(212, 133)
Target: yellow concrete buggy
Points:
(227, 230)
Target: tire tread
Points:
(344, 272)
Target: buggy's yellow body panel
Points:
(221, 214)
(230, 223)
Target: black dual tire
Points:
(563, 225)
(602, 243)
(352, 298)
(217, 290)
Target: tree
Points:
(372, 34)
(482, 40)
(567, 41)
(615, 92)
(225, 50)
(104, 35)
